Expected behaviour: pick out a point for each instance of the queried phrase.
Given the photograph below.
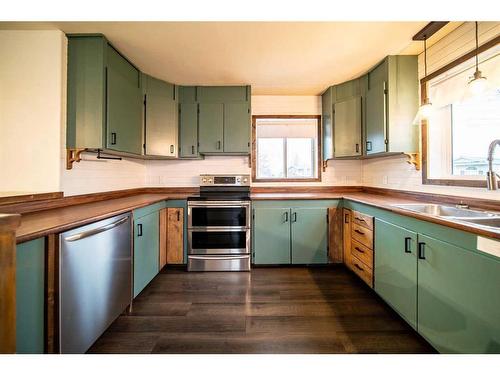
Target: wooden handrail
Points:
(8, 226)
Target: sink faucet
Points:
(491, 176)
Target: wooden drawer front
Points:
(362, 270)
(362, 252)
(362, 219)
(362, 235)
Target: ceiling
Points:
(276, 58)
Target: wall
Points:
(31, 88)
(186, 172)
(394, 172)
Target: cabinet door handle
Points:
(408, 245)
(358, 231)
(218, 145)
(139, 230)
(294, 217)
(178, 216)
(357, 147)
(346, 218)
(171, 149)
(113, 138)
(286, 217)
(421, 250)
(192, 149)
(358, 267)
(358, 249)
(368, 145)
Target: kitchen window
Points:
(462, 124)
(286, 148)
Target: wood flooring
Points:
(269, 310)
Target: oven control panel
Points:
(224, 180)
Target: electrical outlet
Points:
(385, 180)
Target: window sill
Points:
(318, 179)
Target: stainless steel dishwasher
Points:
(95, 280)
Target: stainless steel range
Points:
(219, 224)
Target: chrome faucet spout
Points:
(491, 176)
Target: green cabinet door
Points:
(376, 118)
(396, 268)
(124, 105)
(458, 298)
(309, 235)
(188, 130)
(146, 250)
(271, 232)
(30, 296)
(347, 125)
(160, 118)
(237, 127)
(327, 124)
(211, 125)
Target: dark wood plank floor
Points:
(270, 310)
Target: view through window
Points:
(463, 124)
(286, 148)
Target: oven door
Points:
(218, 241)
(219, 214)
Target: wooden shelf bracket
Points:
(73, 155)
(414, 158)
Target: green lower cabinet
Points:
(396, 268)
(458, 298)
(146, 250)
(271, 228)
(309, 235)
(30, 296)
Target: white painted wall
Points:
(31, 88)
(394, 172)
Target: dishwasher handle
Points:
(92, 232)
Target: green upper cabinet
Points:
(30, 297)
(327, 123)
(271, 235)
(146, 249)
(104, 97)
(458, 298)
(396, 268)
(223, 120)
(390, 106)
(237, 127)
(309, 235)
(188, 122)
(160, 120)
(211, 127)
(347, 121)
(124, 111)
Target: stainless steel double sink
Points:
(460, 214)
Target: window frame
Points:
(424, 126)
(254, 148)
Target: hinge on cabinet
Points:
(386, 141)
(385, 91)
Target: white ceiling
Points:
(276, 58)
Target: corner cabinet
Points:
(104, 98)
(391, 103)
(160, 117)
(291, 232)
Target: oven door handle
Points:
(219, 257)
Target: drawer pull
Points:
(360, 219)
(358, 267)
(357, 248)
(358, 231)
(407, 245)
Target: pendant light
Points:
(425, 110)
(477, 83)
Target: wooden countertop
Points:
(55, 220)
(41, 223)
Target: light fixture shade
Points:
(477, 83)
(424, 112)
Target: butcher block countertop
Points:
(62, 217)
